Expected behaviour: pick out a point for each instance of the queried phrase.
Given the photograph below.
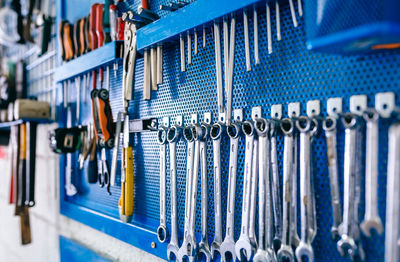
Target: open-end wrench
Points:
(253, 192)
(227, 247)
(264, 251)
(216, 132)
(187, 250)
(393, 196)
(162, 230)
(312, 207)
(293, 211)
(329, 125)
(173, 135)
(245, 247)
(201, 133)
(285, 253)
(371, 218)
(276, 194)
(346, 245)
(305, 249)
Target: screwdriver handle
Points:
(120, 28)
(92, 27)
(82, 38)
(68, 44)
(76, 36)
(107, 20)
(113, 22)
(88, 36)
(145, 4)
(61, 38)
(99, 25)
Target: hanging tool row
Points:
(278, 239)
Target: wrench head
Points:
(372, 224)
(162, 233)
(262, 256)
(285, 253)
(172, 251)
(346, 245)
(277, 242)
(70, 190)
(335, 233)
(304, 250)
(244, 249)
(227, 250)
(204, 253)
(187, 251)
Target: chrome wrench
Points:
(216, 133)
(285, 253)
(162, 230)
(227, 248)
(329, 125)
(244, 247)
(371, 218)
(173, 136)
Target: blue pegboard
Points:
(290, 74)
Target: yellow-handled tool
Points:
(125, 204)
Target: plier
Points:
(104, 171)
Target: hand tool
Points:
(147, 75)
(116, 149)
(246, 40)
(26, 237)
(113, 22)
(92, 166)
(103, 172)
(126, 201)
(285, 252)
(195, 41)
(30, 163)
(244, 247)
(88, 32)
(22, 170)
(227, 247)
(182, 51)
(292, 12)
(346, 245)
(70, 189)
(300, 6)
(229, 88)
(67, 40)
(278, 21)
(226, 50)
(78, 99)
(264, 251)
(82, 31)
(47, 24)
(99, 25)
(371, 218)
(173, 136)
(162, 230)
(75, 38)
(255, 18)
(189, 47)
(84, 148)
(153, 68)
(28, 22)
(293, 211)
(14, 155)
(216, 132)
(218, 68)
(204, 36)
(107, 20)
(201, 133)
(393, 196)
(329, 126)
(159, 64)
(269, 34)
(275, 184)
(305, 249)
(188, 248)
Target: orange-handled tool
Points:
(99, 25)
(68, 44)
(92, 27)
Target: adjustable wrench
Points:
(393, 196)
(285, 253)
(162, 231)
(227, 248)
(216, 132)
(245, 247)
(187, 249)
(329, 125)
(200, 133)
(305, 249)
(371, 218)
(276, 194)
(346, 245)
(173, 136)
(264, 251)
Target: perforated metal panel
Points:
(289, 74)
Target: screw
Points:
(153, 245)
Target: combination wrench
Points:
(173, 136)
(216, 132)
(293, 211)
(329, 125)
(162, 230)
(188, 248)
(245, 246)
(371, 218)
(276, 193)
(305, 249)
(264, 252)
(285, 253)
(393, 196)
(227, 247)
(347, 245)
(200, 133)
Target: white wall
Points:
(46, 223)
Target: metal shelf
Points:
(103, 55)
